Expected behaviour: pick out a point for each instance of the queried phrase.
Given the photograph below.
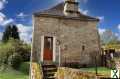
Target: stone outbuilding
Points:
(63, 35)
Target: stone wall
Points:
(36, 71)
(117, 63)
(79, 40)
(67, 73)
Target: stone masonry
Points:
(77, 37)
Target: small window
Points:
(83, 47)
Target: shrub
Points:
(24, 67)
(13, 53)
(15, 61)
(25, 51)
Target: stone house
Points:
(63, 35)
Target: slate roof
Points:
(57, 11)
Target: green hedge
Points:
(24, 67)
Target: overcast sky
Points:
(20, 13)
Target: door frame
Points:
(42, 48)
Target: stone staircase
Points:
(49, 71)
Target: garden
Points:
(14, 55)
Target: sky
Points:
(20, 13)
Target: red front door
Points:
(48, 48)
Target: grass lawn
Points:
(12, 74)
(22, 73)
(101, 70)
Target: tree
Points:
(11, 31)
(14, 32)
(114, 42)
(7, 33)
(108, 37)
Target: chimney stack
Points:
(71, 8)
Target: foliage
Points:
(101, 70)
(114, 42)
(14, 52)
(108, 37)
(5, 51)
(12, 74)
(14, 32)
(112, 46)
(25, 52)
(111, 64)
(15, 60)
(24, 67)
(11, 31)
(6, 34)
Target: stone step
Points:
(49, 71)
(49, 74)
(49, 78)
(49, 66)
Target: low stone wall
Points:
(36, 71)
(117, 63)
(68, 73)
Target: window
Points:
(83, 47)
(48, 43)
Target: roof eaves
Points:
(66, 17)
